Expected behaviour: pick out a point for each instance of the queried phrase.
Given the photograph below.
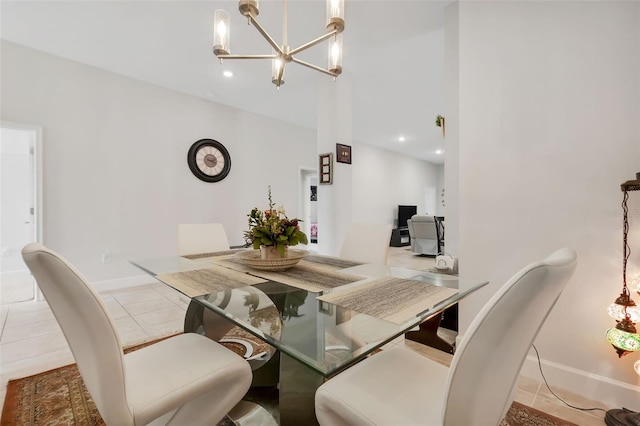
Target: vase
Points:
(271, 252)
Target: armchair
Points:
(424, 235)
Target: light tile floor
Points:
(32, 342)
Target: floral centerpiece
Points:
(272, 230)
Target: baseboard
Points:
(610, 393)
(108, 285)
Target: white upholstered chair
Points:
(424, 235)
(367, 242)
(400, 387)
(197, 238)
(186, 379)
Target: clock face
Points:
(209, 160)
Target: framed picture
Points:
(343, 153)
(325, 168)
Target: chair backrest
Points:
(367, 242)
(486, 365)
(88, 328)
(197, 238)
(424, 227)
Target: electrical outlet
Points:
(106, 257)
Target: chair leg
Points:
(247, 413)
(428, 335)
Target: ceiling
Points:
(393, 55)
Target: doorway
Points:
(20, 208)
(309, 206)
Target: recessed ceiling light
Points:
(227, 74)
(439, 151)
(401, 139)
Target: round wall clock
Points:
(209, 160)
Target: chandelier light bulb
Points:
(222, 29)
(636, 366)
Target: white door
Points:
(17, 211)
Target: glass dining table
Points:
(305, 324)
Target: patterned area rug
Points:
(59, 397)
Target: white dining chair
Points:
(401, 387)
(186, 379)
(367, 242)
(198, 238)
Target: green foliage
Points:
(273, 228)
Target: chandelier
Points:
(283, 54)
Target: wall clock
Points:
(209, 160)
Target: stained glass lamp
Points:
(624, 336)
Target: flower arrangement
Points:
(273, 228)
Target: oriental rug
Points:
(59, 397)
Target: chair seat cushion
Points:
(163, 376)
(394, 387)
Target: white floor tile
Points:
(31, 347)
(29, 330)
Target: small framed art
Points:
(325, 168)
(343, 153)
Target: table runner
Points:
(392, 299)
(204, 281)
(331, 261)
(207, 255)
(304, 275)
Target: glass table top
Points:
(326, 337)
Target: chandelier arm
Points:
(315, 67)
(314, 42)
(247, 56)
(266, 35)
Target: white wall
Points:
(116, 178)
(115, 171)
(549, 106)
(382, 180)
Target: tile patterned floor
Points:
(31, 341)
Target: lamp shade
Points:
(221, 31)
(277, 71)
(623, 341)
(335, 54)
(636, 366)
(619, 312)
(335, 15)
